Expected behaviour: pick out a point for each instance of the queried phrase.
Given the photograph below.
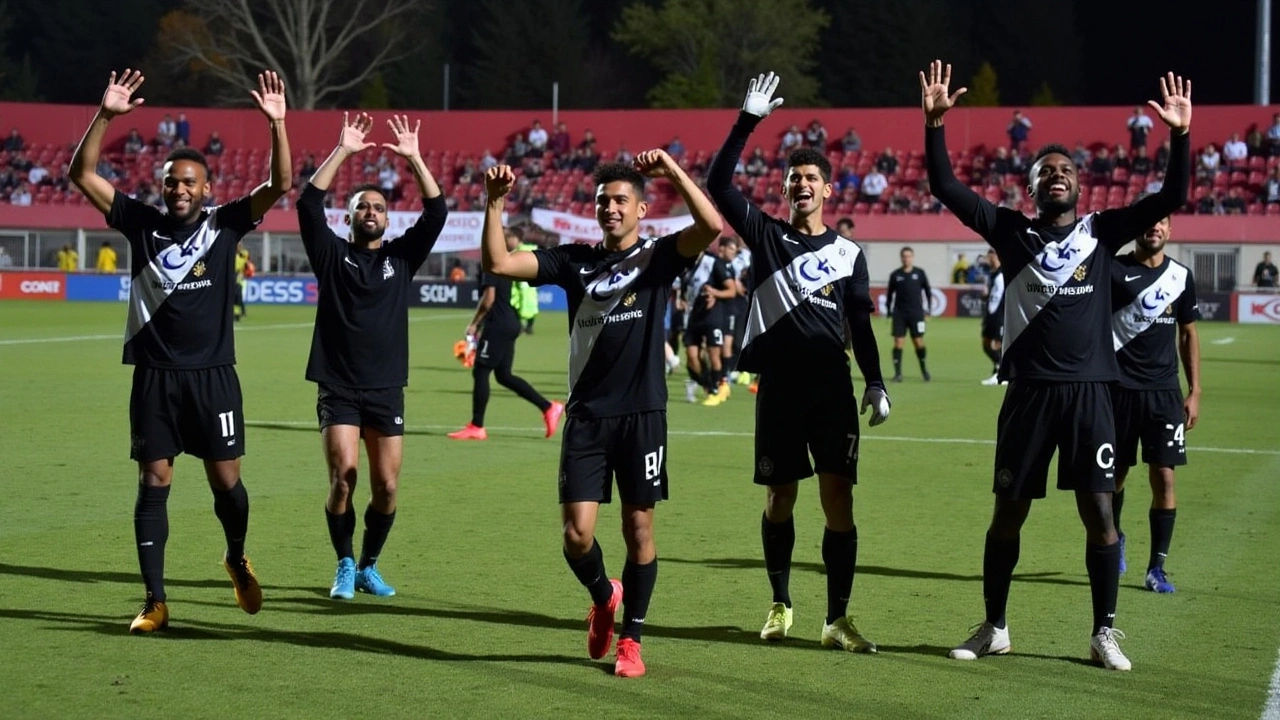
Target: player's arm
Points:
(487, 297)
(270, 99)
(1189, 350)
(1116, 227)
(494, 256)
(706, 221)
(350, 142)
(926, 293)
(936, 99)
(862, 337)
(418, 240)
(890, 292)
(116, 100)
(738, 211)
(312, 224)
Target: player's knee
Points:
(342, 478)
(577, 540)
(154, 478)
(1162, 479)
(780, 502)
(384, 486)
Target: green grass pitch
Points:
(489, 622)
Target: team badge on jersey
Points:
(388, 272)
(1080, 272)
(199, 269)
(826, 289)
(629, 300)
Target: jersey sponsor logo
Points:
(1048, 277)
(1050, 289)
(822, 266)
(798, 283)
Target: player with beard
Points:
(809, 291)
(360, 346)
(1150, 294)
(1057, 354)
(993, 317)
(179, 336)
(617, 420)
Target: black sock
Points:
(717, 377)
(479, 393)
(897, 362)
(518, 386)
(920, 355)
(840, 555)
(341, 529)
(151, 531)
(1161, 535)
(730, 364)
(637, 588)
(994, 354)
(999, 558)
(694, 375)
(376, 528)
(1117, 504)
(779, 540)
(232, 508)
(1103, 564)
(589, 570)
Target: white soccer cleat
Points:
(673, 364)
(993, 380)
(1105, 649)
(691, 391)
(844, 634)
(777, 623)
(986, 640)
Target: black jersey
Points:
(361, 337)
(501, 320)
(616, 336)
(709, 270)
(1057, 279)
(1147, 304)
(741, 267)
(183, 286)
(909, 295)
(995, 294)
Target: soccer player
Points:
(993, 317)
(244, 271)
(499, 328)
(179, 337)
(527, 307)
(909, 299)
(617, 420)
(708, 287)
(733, 252)
(1150, 294)
(360, 346)
(809, 289)
(1057, 353)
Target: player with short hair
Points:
(496, 324)
(708, 287)
(909, 299)
(734, 252)
(1150, 294)
(180, 337)
(809, 291)
(993, 316)
(1057, 353)
(360, 345)
(617, 420)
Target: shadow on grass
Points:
(110, 576)
(1051, 578)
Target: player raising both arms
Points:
(1150, 294)
(179, 336)
(360, 345)
(617, 418)
(809, 288)
(1058, 355)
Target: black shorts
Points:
(199, 412)
(496, 350)
(816, 413)
(737, 322)
(632, 448)
(1153, 417)
(381, 409)
(903, 324)
(704, 332)
(1073, 418)
(993, 327)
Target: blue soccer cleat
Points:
(369, 581)
(1158, 582)
(1124, 565)
(344, 581)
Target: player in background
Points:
(809, 290)
(993, 316)
(496, 324)
(360, 346)
(526, 297)
(1150, 294)
(1057, 353)
(179, 336)
(244, 271)
(617, 422)
(735, 253)
(909, 299)
(708, 288)
(106, 258)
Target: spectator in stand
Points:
(214, 145)
(757, 165)
(1253, 140)
(182, 130)
(1273, 136)
(1209, 164)
(487, 161)
(1235, 153)
(538, 138)
(588, 143)
(20, 162)
(960, 271)
(150, 195)
(1265, 276)
(1011, 197)
(1234, 203)
(873, 186)
(134, 144)
(107, 169)
(849, 179)
(14, 142)
(928, 203)
(466, 174)
(1272, 186)
(1161, 162)
(1018, 162)
(106, 258)
(1141, 164)
(899, 201)
(389, 182)
(1139, 126)
(166, 131)
(61, 181)
(1101, 166)
(887, 163)
(1081, 156)
(791, 140)
(518, 149)
(999, 167)
(1211, 203)
(22, 195)
(851, 142)
(623, 155)
(37, 175)
(308, 169)
(675, 148)
(6, 261)
(560, 143)
(1121, 158)
(533, 169)
(1019, 130)
(816, 136)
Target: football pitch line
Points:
(730, 433)
(246, 328)
(1271, 710)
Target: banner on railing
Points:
(573, 228)
(33, 285)
(461, 230)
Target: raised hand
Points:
(936, 97)
(354, 132)
(759, 100)
(406, 145)
(118, 99)
(656, 164)
(1176, 111)
(270, 95)
(498, 181)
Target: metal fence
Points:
(1216, 270)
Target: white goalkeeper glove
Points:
(877, 399)
(759, 100)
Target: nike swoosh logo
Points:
(158, 236)
(788, 239)
(586, 271)
(347, 260)
(1128, 278)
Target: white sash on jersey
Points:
(787, 288)
(1129, 321)
(1035, 286)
